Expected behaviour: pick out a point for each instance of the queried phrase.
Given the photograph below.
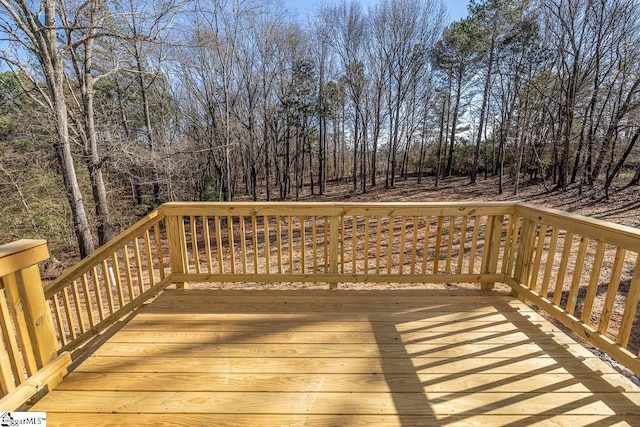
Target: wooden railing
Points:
(321, 242)
(581, 271)
(29, 360)
(111, 283)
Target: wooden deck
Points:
(337, 358)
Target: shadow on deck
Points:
(336, 358)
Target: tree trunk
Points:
(454, 120)
(94, 161)
(441, 138)
(51, 62)
(483, 109)
(363, 156)
(376, 136)
(356, 135)
(616, 169)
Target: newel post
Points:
(177, 247)
(20, 278)
(525, 251)
(334, 253)
(492, 242)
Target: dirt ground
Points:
(622, 206)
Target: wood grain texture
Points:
(289, 420)
(342, 357)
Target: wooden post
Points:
(177, 255)
(334, 225)
(492, 248)
(23, 285)
(525, 252)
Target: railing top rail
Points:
(616, 234)
(336, 208)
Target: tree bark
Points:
(45, 46)
(483, 109)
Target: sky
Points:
(457, 8)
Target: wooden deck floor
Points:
(337, 358)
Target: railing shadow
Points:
(522, 375)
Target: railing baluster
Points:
(342, 243)
(325, 231)
(98, 293)
(279, 243)
(577, 275)
(11, 344)
(116, 273)
(366, 245)
(243, 243)
(184, 251)
(452, 229)
(630, 306)
(436, 256)
(267, 249)
(551, 254)
(254, 238)
(106, 280)
(463, 241)
(156, 231)
(8, 351)
(378, 242)
(127, 266)
(207, 243)
(314, 243)
(303, 243)
(414, 244)
(88, 300)
(535, 270)
(290, 231)
(218, 227)
(392, 225)
(78, 306)
(593, 282)
(474, 244)
(194, 243)
(69, 313)
(138, 259)
(354, 243)
(425, 245)
(58, 312)
(562, 270)
(612, 290)
(232, 244)
(403, 230)
(334, 224)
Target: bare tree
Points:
(81, 27)
(35, 32)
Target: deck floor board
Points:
(347, 357)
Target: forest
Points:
(110, 108)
